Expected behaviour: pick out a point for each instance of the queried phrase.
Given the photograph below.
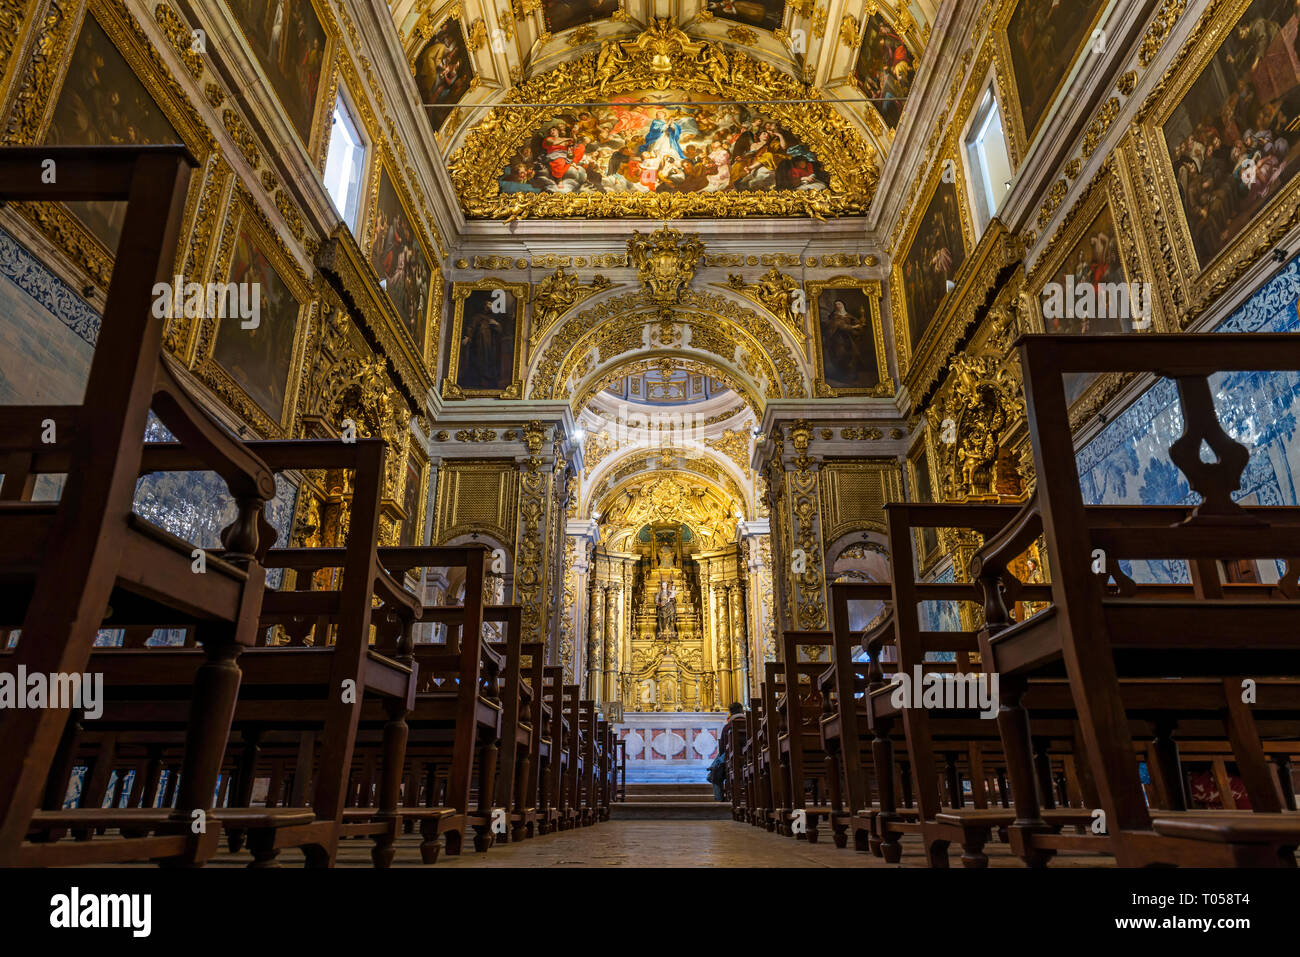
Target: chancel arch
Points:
(717, 327)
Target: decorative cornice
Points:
(348, 271)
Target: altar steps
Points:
(667, 801)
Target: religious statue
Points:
(666, 557)
(666, 608)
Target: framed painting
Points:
(413, 498)
(255, 367)
(561, 15)
(1221, 135)
(635, 145)
(96, 84)
(766, 14)
(399, 254)
(1039, 42)
(486, 354)
(443, 71)
(884, 69)
(1091, 278)
(926, 539)
(849, 338)
(293, 47)
(934, 247)
(103, 103)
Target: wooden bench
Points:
(87, 561)
(1101, 635)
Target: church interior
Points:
(678, 433)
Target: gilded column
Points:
(594, 632)
(726, 676)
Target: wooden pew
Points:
(768, 758)
(66, 563)
(317, 691)
(846, 724)
(803, 758)
(938, 735)
(733, 741)
(552, 813)
(1101, 635)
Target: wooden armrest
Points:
(396, 597)
(1001, 549)
(826, 680)
(245, 474)
(494, 659)
(872, 642)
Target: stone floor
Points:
(659, 844)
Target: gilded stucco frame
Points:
(245, 213)
(924, 446)
(1186, 284)
(1109, 189)
(948, 153)
(620, 14)
(459, 293)
(871, 289)
(429, 23)
(1017, 134)
(911, 37)
(385, 161)
(38, 86)
(417, 454)
(323, 109)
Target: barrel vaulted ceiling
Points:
(663, 108)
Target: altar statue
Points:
(666, 608)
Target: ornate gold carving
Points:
(582, 35)
(659, 58)
(665, 262)
(180, 37)
(848, 31)
(477, 35)
(855, 434)
(573, 343)
(672, 498)
(1162, 24)
(984, 399)
(555, 295)
(476, 435)
(735, 445)
(777, 293)
(995, 256)
(341, 261)
(742, 35)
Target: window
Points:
(345, 164)
(986, 151)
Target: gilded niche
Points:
(667, 138)
(972, 422)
